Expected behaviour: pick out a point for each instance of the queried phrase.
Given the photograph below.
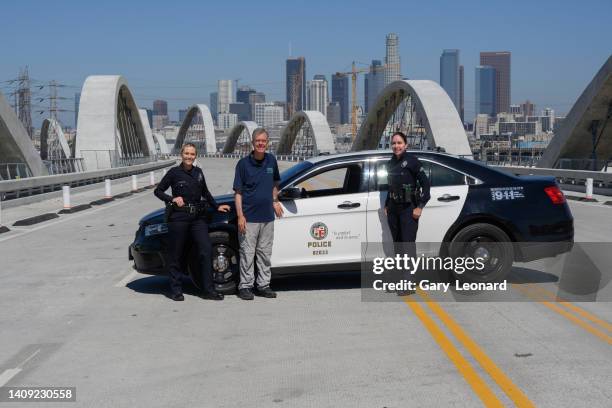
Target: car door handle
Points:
(447, 197)
(347, 205)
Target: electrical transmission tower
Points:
(24, 98)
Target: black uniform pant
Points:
(180, 227)
(403, 228)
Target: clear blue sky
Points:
(178, 50)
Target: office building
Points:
(333, 113)
(272, 115)
(213, 104)
(296, 84)
(392, 59)
(159, 121)
(256, 97)
(485, 90)
(449, 75)
(500, 60)
(160, 107)
(259, 111)
(548, 120)
(374, 82)
(318, 96)
(225, 95)
(340, 94)
(242, 94)
(461, 94)
(227, 120)
(243, 110)
(527, 108)
(182, 113)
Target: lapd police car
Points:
(334, 204)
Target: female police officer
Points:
(404, 204)
(188, 217)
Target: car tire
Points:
(485, 241)
(224, 256)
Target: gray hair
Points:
(258, 132)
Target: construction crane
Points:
(353, 73)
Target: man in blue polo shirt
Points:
(256, 186)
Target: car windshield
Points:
(292, 171)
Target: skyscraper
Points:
(486, 90)
(528, 108)
(333, 113)
(242, 94)
(182, 114)
(374, 82)
(225, 94)
(449, 75)
(257, 97)
(461, 93)
(318, 96)
(392, 59)
(296, 85)
(160, 113)
(340, 94)
(214, 102)
(160, 107)
(500, 60)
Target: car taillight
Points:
(555, 194)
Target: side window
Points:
(438, 175)
(380, 176)
(332, 181)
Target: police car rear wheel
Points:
(489, 243)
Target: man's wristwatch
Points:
(275, 200)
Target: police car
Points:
(334, 215)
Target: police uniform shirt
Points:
(407, 169)
(255, 180)
(189, 184)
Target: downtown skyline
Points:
(550, 63)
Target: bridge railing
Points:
(283, 157)
(64, 166)
(12, 171)
(12, 189)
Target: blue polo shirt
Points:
(255, 180)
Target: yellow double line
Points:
(580, 317)
(467, 370)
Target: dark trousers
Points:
(403, 230)
(401, 223)
(180, 227)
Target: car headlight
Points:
(155, 229)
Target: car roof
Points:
(372, 153)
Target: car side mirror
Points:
(290, 193)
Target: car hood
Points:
(157, 216)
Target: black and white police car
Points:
(333, 204)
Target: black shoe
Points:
(245, 294)
(266, 292)
(177, 297)
(212, 296)
(405, 292)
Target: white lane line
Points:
(127, 279)
(8, 374)
(69, 218)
